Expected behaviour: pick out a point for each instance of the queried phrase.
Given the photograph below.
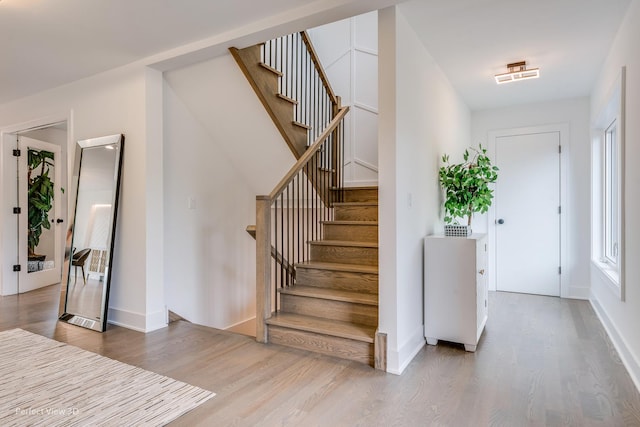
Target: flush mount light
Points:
(517, 71)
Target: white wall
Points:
(573, 113)
(129, 100)
(348, 51)
(622, 318)
(421, 118)
(110, 103)
(221, 151)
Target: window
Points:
(607, 213)
(611, 196)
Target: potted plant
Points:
(40, 200)
(466, 187)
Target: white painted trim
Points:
(330, 64)
(580, 293)
(137, 321)
(365, 164)
(629, 360)
(611, 282)
(156, 320)
(58, 117)
(39, 123)
(365, 107)
(397, 361)
(352, 95)
(239, 323)
(613, 108)
(365, 50)
(126, 319)
(565, 141)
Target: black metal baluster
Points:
(298, 211)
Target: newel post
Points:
(335, 147)
(263, 266)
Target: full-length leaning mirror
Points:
(97, 168)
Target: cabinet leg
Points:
(432, 341)
(471, 348)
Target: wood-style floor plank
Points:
(540, 362)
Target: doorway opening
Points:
(34, 194)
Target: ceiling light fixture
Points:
(517, 71)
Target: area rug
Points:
(46, 382)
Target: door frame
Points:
(563, 130)
(8, 280)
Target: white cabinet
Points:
(455, 289)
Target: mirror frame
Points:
(75, 318)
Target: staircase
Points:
(333, 306)
(316, 241)
(264, 80)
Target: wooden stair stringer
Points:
(264, 82)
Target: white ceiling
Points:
(472, 40)
(46, 43)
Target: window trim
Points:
(612, 114)
(610, 201)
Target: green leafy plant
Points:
(466, 184)
(40, 194)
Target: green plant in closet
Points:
(466, 184)
(40, 195)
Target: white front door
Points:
(527, 208)
(39, 221)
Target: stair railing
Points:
(303, 80)
(292, 215)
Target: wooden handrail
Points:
(316, 62)
(311, 151)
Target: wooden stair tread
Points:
(273, 70)
(286, 98)
(330, 294)
(318, 325)
(355, 204)
(355, 268)
(373, 187)
(344, 243)
(302, 125)
(350, 222)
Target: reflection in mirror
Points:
(98, 165)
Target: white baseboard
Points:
(239, 323)
(398, 360)
(137, 321)
(628, 359)
(156, 320)
(579, 293)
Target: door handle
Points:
(59, 220)
(500, 221)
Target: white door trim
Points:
(8, 286)
(563, 129)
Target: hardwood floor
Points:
(541, 362)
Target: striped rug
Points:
(48, 383)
